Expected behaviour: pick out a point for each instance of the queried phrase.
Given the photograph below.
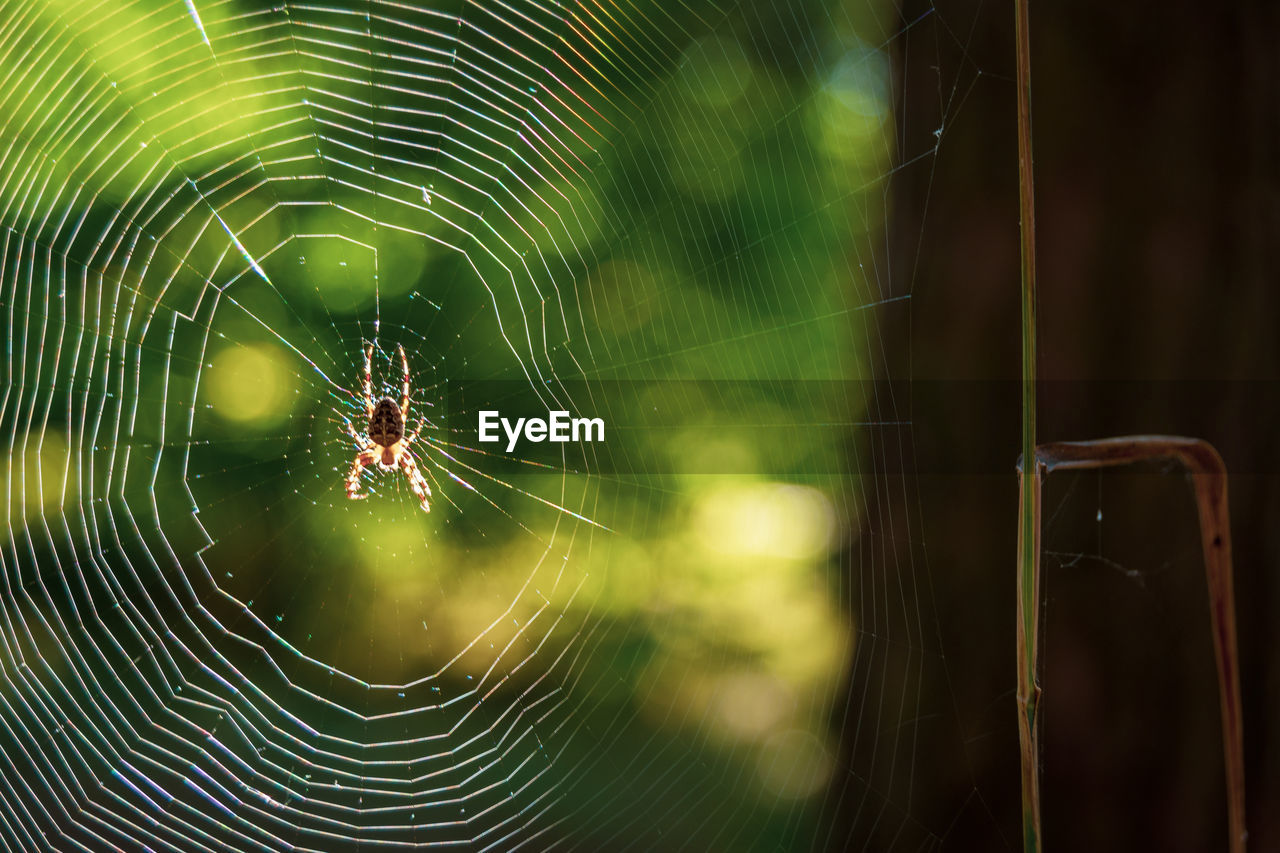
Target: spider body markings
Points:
(385, 442)
(386, 425)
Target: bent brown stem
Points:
(1209, 477)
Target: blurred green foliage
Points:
(699, 266)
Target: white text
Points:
(558, 427)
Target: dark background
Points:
(1156, 188)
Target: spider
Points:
(386, 442)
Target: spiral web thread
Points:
(188, 184)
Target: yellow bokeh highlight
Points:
(41, 476)
(851, 108)
(743, 635)
(251, 385)
(751, 704)
(794, 764)
(749, 634)
(769, 520)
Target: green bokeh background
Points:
(692, 261)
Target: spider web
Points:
(665, 215)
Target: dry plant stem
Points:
(1029, 506)
(1209, 477)
(1028, 652)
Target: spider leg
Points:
(413, 436)
(368, 380)
(417, 482)
(404, 399)
(363, 458)
(351, 431)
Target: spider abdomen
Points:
(386, 424)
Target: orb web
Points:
(660, 214)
